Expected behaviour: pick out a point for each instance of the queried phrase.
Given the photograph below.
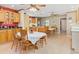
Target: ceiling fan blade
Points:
(32, 5)
(20, 9)
(41, 5)
(28, 8)
(37, 8)
(24, 9)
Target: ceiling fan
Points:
(35, 6)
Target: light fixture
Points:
(33, 9)
(12, 5)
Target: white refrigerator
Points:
(75, 37)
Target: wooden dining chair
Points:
(26, 45)
(16, 41)
(41, 42)
(23, 33)
(22, 44)
(17, 38)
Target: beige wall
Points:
(54, 20)
(24, 20)
(71, 19)
(21, 23)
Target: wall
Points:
(53, 21)
(71, 19)
(45, 20)
(24, 21)
(21, 23)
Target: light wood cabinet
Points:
(2, 15)
(10, 34)
(10, 15)
(43, 29)
(34, 20)
(3, 36)
(16, 17)
(7, 35)
(6, 16)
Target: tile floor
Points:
(56, 44)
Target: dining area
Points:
(23, 41)
(21, 30)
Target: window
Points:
(47, 22)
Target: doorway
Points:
(63, 25)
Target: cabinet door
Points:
(16, 17)
(3, 36)
(34, 20)
(2, 15)
(10, 35)
(11, 17)
(6, 16)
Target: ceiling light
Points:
(33, 9)
(12, 5)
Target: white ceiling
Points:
(47, 11)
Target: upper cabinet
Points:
(16, 17)
(9, 15)
(33, 21)
(2, 15)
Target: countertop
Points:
(75, 28)
(7, 28)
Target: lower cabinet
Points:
(3, 36)
(43, 29)
(10, 36)
(6, 35)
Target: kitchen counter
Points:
(75, 27)
(7, 34)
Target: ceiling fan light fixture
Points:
(33, 9)
(12, 5)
